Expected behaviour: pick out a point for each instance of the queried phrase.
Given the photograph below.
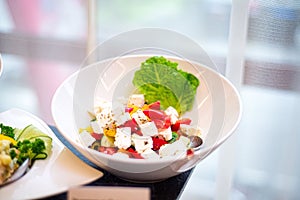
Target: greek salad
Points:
(147, 125)
(139, 130)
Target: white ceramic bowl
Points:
(217, 110)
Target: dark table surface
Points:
(168, 189)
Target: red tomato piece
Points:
(131, 150)
(175, 127)
(157, 143)
(133, 153)
(155, 105)
(189, 152)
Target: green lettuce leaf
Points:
(160, 79)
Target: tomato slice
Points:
(157, 143)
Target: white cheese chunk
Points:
(123, 138)
(86, 138)
(142, 143)
(140, 117)
(167, 133)
(177, 148)
(136, 100)
(149, 129)
(150, 154)
(104, 115)
(172, 113)
(190, 130)
(119, 114)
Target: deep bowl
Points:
(216, 110)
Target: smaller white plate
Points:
(59, 172)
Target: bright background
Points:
(43, 41)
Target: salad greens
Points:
(160, 79)
(7, 131)
(30, 143)
(31, 149)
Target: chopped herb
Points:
(7, 131)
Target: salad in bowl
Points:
(147, 125)
(139, 116)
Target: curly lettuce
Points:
(160, 79)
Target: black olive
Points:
(96, 145)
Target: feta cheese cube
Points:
(167, 133)
(119, 114)
(142, 143)
(172, 113)
(149, 129)
(177, 148)
(136, 100)
(86, 138)
(190, 130)
(140, 117)
(123, 138)
(104, 115)
(150, 154)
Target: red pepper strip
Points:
(155, 105)
(157, 143)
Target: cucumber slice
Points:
(30, 132)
